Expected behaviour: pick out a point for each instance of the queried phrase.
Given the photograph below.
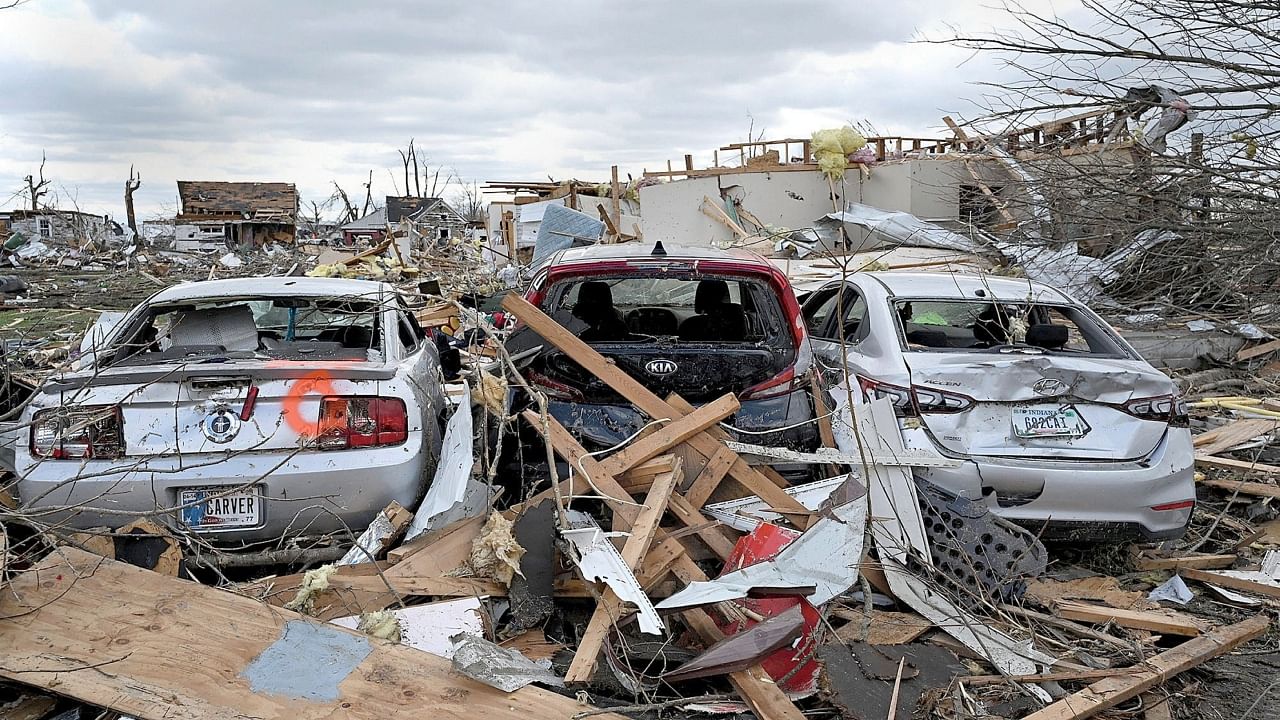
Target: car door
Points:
(835, 313)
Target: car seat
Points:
(1048, 336)
(595, 308)
(717, 318)
(990, 327)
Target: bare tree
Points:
(1129, 75)
(130, 187)
(418, 174)
(37, 185)
(469, 202)
(348, 211)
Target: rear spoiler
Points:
(277, 370)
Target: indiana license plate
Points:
(1048, 422)
(216, 509)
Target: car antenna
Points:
(658, 249)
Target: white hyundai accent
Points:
(1058, 423)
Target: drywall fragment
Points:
(454, 495)
(499, 667)
(599, 561)
(1234, 597)
(430, 627)
(381, 533)
(1174, 590)
(495, 553)
(744, 649)
(822, 563)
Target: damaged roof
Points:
(206, 200)
(414, 208)
(267, 287)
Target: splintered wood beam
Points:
(610, 608)
(643, 398)
(713, 472)
(1001, 206)
(1153, 621)
(1109, 692)
(1232, 434)
(1233, 464)
(670, 435)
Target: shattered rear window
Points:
(254, 328)
(640, 309)
(982, 326)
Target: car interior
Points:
(281, 328)
(968, 325)
(639, 309)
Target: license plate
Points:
(215, 509)
(1048, 422)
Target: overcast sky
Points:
(311, 91)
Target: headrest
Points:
(1047, 336)
(710, 294)
(595, 292)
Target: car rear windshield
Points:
(930, 325)
(253, 328)
(694, 309)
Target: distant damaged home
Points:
(235, 214)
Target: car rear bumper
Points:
(303, 493)
(1082, 500)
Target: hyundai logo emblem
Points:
(1049, 387)
(661, 367)
(221, 425)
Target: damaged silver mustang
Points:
(1060, 425)
(243, 410)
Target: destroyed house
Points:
(235, 214)
(423, 220)
(68, 227)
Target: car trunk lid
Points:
(1056, 407)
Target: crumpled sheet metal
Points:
(600, 561)
(1013, 379)
(896, 228)
(504, 668)
(744, 649)
(562, 228)
(826, 557)
(453, 494)
(747, 513)
(370, 541)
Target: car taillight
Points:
(1165, 408)
(355, 422)
(898, 395)
(912, 401)
(780, 384)
(78, 433)
(553, 389)
(929, 400)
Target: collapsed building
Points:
(219, 215)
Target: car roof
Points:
(269, 287)
(964, 286)
(635, 250)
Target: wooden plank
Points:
(1195, 560)
(720, 543)
(1257, 489)
(670, 435)
(149, 654)
(712, 474)
(610, 608)
(1231, 434)
(644, 399)
(1231, 582)
(1265, 348)
(1171, 624)
(639, 478)
(887, 628)
(442, 553)
(1110, 692)
(1233, 464)
(1051, 676)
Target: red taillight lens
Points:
(909, 402)
(553, 389)
(1165, 408)
(780, 384)
(898, 395)
(354, 422)
(1180, 505)
(78, 433)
